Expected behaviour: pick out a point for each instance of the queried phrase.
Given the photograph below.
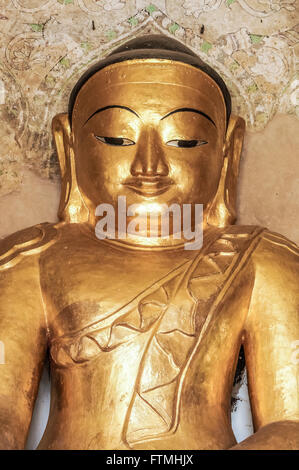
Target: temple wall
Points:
(46, 44)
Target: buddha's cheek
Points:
(101, 171)
(196, 179)
(206, 183)
(89, 177)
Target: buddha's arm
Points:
(271, 342)
(23, 345)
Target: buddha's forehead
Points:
(150, 85)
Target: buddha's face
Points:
(152, 131)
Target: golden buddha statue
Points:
(143, 334)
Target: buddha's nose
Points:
(149, 158)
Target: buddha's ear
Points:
(61, 130)
(222, 211)
(71, 208)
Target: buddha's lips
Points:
(149, 186)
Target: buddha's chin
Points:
(149, 192)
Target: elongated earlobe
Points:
(71, 208)
(222, 211)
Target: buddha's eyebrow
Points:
(192, 110)
(109, 107)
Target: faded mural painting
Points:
(46, 44)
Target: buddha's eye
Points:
(186, 143)
(115, 141)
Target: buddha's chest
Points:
(157, 312)
(85, 286)
(88, 288)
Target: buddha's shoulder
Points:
(271, 252)
(271, 259)
(273, 267)
(276, 248)
(27, 244)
